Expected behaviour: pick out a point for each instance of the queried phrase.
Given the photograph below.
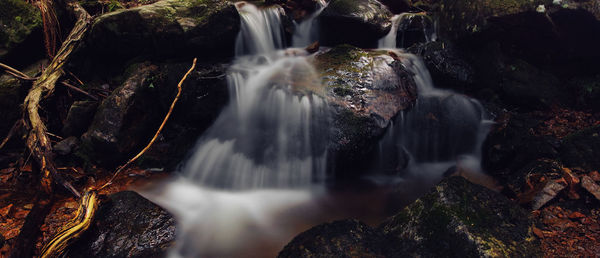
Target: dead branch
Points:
(79, 90)
(179, 88)
(16, 73)
(37, 141)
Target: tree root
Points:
(37, 141)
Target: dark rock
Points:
(587, 92)
(10, 102)
(66, 146)
(18, 19)
(126, 119)
(79, 117)
(581, 149)
(356, 22)
(397, 6)
(128, 225)
(204, 94)
(461, 219)
(414, 28)
(512, 144)
(446, 65)
(344, 238)
(366, 89)
(206, 28)
(526, 86)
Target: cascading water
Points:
(268, 136)
(260, 31)
(443, 130)
(307, 31)
(403, 24)
(249, 185)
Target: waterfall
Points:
(402, 23)
(261, 30)
(269, 136)
(307, 31)
(442, 130)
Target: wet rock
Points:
(10, 103)
(461, 219)
(366, 89)
(163, 29)
(581, 149)
(66, 146)
(18, 20)
(587, 92)
(446, 65)
(414, 28)
(79, 117)
(127, 225)
(357, 22)
(204, 94)
(126, 119)
(344, 238)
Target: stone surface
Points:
(127, 225)
(166, 28)
(344, 238)
(79, 117)
(447, 66)
(357, 22)
(18, 19)
(366, 89)
(126, 119)
(461, 219)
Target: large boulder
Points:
(127, 119)
(18, 20)
(461, 219)
(128, 225)
(581, 149)
(356, 22)
(79, 117)
(166, 28)
(447, 66)
(366, 89)
(344, 238)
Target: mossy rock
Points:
(18, 19)
(357, 22)
(165, 29)
(366, 89)
(461, 219)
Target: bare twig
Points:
(78, 90)
(179, 88)
(15, 72)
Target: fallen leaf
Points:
(594, 175)
(576, 215)
(538, 232)
(590, 186)
(4, 211)
(551, 189)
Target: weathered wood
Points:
(37, 140)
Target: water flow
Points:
(272, 135)
(442, 130)
(307, 31)
(413, 27)
(260, 31)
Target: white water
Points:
(442, 130)
(307, 31)
(254, 180)
(260, 30)
(400, 23)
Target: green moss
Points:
(17, 20)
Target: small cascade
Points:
(268, 136)
(307, 31)
(442, 130)
(261, 30)
(409, 28)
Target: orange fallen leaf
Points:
(576, 215)
(4, 211)
(538, 232)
